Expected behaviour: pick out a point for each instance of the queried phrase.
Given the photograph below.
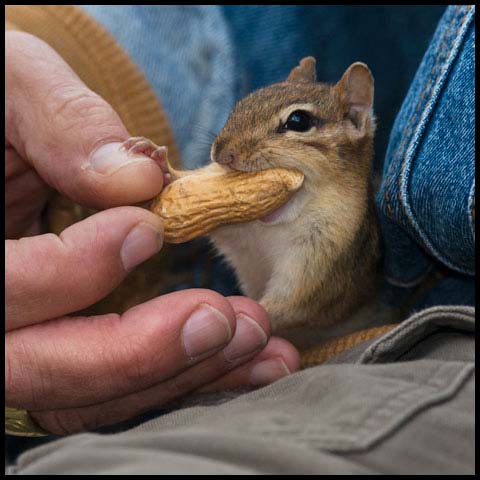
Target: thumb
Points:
(48, 276)
(69, 134)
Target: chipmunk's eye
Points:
(298, 121)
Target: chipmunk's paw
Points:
(142, 145)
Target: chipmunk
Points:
(317, 258)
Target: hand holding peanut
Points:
(76, 373)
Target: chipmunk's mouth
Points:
(276, 215)
(287, 212)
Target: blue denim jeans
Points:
(201, 59)
(426, 200)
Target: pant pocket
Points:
(349, 408)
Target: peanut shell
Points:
(201, 200)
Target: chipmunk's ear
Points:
(303, 73)
(356, 89)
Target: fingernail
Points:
(110, 157)
(268, 371)
(249, 337)
(141, 243)
(206, 330)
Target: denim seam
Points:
(431, 90)
(420, 235)
(412, 118)
(471, 210)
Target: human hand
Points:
(77, 373)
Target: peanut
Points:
(199, 201)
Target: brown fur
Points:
(321, 261)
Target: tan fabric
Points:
(101, 63)
(403, 404)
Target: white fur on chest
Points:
(248, 248)
(261, 252)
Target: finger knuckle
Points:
(72, 104)
(137, 369)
